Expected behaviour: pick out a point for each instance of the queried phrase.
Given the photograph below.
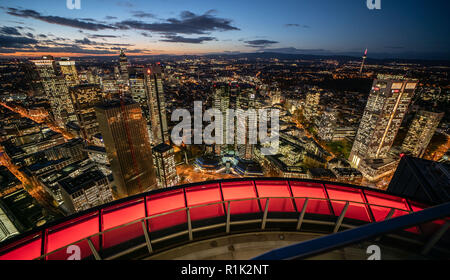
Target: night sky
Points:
(403, 29)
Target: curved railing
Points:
(159, 219)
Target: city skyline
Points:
(134, 129)
(178, 27)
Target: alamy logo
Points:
(374, 4)
(374, 253)
(229, 127)
(73, 4)
(74, 252)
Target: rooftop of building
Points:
(86, 179)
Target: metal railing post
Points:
(228, 217)
(147, 237)
(302, 214)
(94, 252)
(341, 218)
(189, 224)
(266, 210)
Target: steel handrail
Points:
(210, 204)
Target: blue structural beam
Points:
(344, 238)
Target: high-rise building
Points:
(69, 71)
(420, 132)
(246, 123)
(312, 103)
(84, 98)
(123, 67)
(127, 145)
(157, 104)
(85, 191)
(56, 90)
(327, 124)
(166, 171)
(386, 106)
(138, 93)
(421, 179)
(221, 102)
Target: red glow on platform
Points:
(163, 203)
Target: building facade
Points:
(387, 104)
(420, 132)
(127, 145)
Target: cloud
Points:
(110, 17)
(260, 43)
(6, 30)
(16, 42)
(145, 34)
(125, 4)
(93, 36)
(88, 42)
(292, 50)
(141, 14)
(75, 23)
(297, 25)
(181, 39)
(187, 23)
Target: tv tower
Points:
(362, 64)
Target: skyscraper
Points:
(386, 106)
(56, 90)
(420, 132)
(312, 103)
(84, 98)
(127, 145)
(221, 102)
(123, 67)
(157, 104)
(246, 123)
(69, 71)
(166, 171)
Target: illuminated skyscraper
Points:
(386, 106)
(84, 98)
(123, 67)
(312, 103)
(157, 104)
(166, 171)
(69, 71)
(221, 102)
(127, 145)
(246, 123)
(56, 90)
(420, 132)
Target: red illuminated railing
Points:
(148, 219)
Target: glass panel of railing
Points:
(72, 231)
(166, 202)
(200, 195)
(120, 215)
(244, 191)
(315, 193)
(279, 194)
(27, 248)
(77, 251)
